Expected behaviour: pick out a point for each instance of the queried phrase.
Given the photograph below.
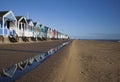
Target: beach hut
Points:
(36, 31)
(8, 25)
(49, 33)
(43, 32)
(58, 34)
(55, 34)
(22, 26)
(63, 36)
(66, 37)
(30, 31)
(52, 34)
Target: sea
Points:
(109, 40)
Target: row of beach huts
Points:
(20, 29)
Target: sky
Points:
(80, 19)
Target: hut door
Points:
(8, 24)
(20, 26)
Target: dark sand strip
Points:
(14, 53)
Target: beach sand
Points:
(80, 61)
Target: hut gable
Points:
(35, 23)
(30, 22)
(18, 17)
(8, 15)
(21, 19)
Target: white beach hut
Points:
(36, 30)
(8, 24)
(22, 26)
(30, 30)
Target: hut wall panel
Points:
(1, 31)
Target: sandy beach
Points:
(80, 61)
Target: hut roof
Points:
(2, 13)
(28, 20)
(35, 23)
(21, 18)
(18, 17)
(7, 14)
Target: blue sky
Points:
(86, 19)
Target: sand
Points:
(13, 53)
(80, 61)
